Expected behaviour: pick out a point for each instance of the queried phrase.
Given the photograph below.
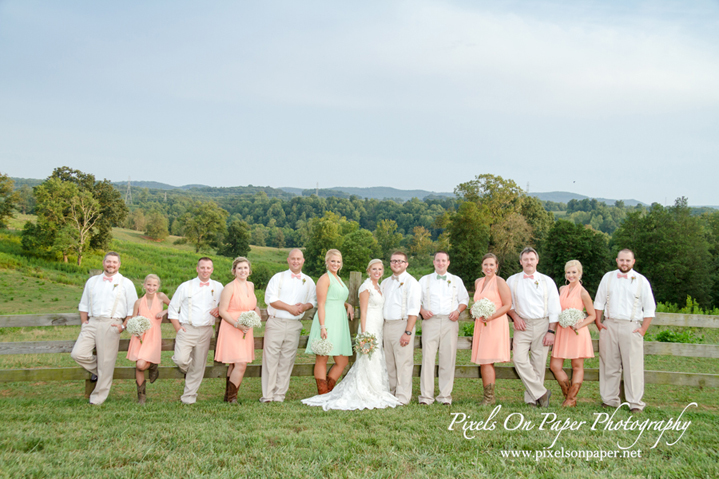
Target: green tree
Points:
(359, 247)
(325, 234)
(672, 250)
(237, 240)
(26, 200)
(468, 231)
(204, 222)
(387, 237)
(8, 199)
(567, 241)
(509, 237)
(421, 245)
(499, 197)
(156, 225)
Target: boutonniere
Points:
(449, 281)
(115, 286)
(401, 284)
(212, 292)
(303, 281)
(633, 278)
(536, 284)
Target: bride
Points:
(366, 385)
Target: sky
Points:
(613, 99)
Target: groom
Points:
(402, 297)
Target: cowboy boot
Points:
(141, 397)
(154, 372)
(488, 395)
(330, 384)
(565, 385)
(231, 392)
(227, 388)
(322, 386)
(571, 400)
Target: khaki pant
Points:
(438, 333)
(282, 337)
(101, 334)
(621, 349)
(400, 359)
(531, 369)
(191, 347)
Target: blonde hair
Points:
(238, 260)
(374, 261)
(576, 264)
(332, 252)
(152, 276)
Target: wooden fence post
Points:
(355, 282)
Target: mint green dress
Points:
(336, 321)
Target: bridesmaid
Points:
(330, 321)
(147, 353)
(490, 343)
(568, 344)
(232, 348)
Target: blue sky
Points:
(609, 99)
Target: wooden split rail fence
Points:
(218, 370)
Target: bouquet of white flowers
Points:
(570, 317)
(138, 325)
(249, 319)
(366, 343)
(484, 308)
(322, 347)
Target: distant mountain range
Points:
(375, 192)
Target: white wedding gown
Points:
(366, 385)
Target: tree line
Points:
(677, 249)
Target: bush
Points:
(691, 307)
(669, 336)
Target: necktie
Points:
(620, 275)
(444, 277)
(204, 284)
(528, 276)
(297, 276)
(107, 278)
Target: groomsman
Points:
(402, 298)
(192, 311)
(106, 302)
(628, 300)
(444, 297)
(535, 312)
(289, 295)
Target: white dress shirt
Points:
(100, 297)
(401, 295)
(292, 291)
(629, 299)
(535, 298)
(192, 303)
(443, 296)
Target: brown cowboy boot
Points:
(330, 384)
(565, 385)
(227, 388)
(571, 400)
(322, 387)
(154, 372)
(141, 397)
(488, 395)
(231, 392)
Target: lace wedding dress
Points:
(366, 385)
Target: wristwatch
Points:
(550, 331)
(408, 333)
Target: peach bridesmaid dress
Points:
(231, 347)
(150, 348)
(491, 342)
(568, 344)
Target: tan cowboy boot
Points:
(571, 400)
(488, 395)
(322, 387)
(154, 372)
(565, 385)
(231, 392)
(141, 396)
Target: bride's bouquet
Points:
(484, 308)
(249, 319)
(366, 343)
(570, 317)
(138, 325)
(322, 347)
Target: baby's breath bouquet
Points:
(322, 347)
(366, 343)
(138, 325)
(570, 317)
(484, 308)
(249, 319)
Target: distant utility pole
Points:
(528, 187)
(317, 188)
(128, 193)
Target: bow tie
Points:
(107, 278)
(395, 278)
(204, 284)
(441, 276)
(528, 276)
(624, 275)
(297, 276)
